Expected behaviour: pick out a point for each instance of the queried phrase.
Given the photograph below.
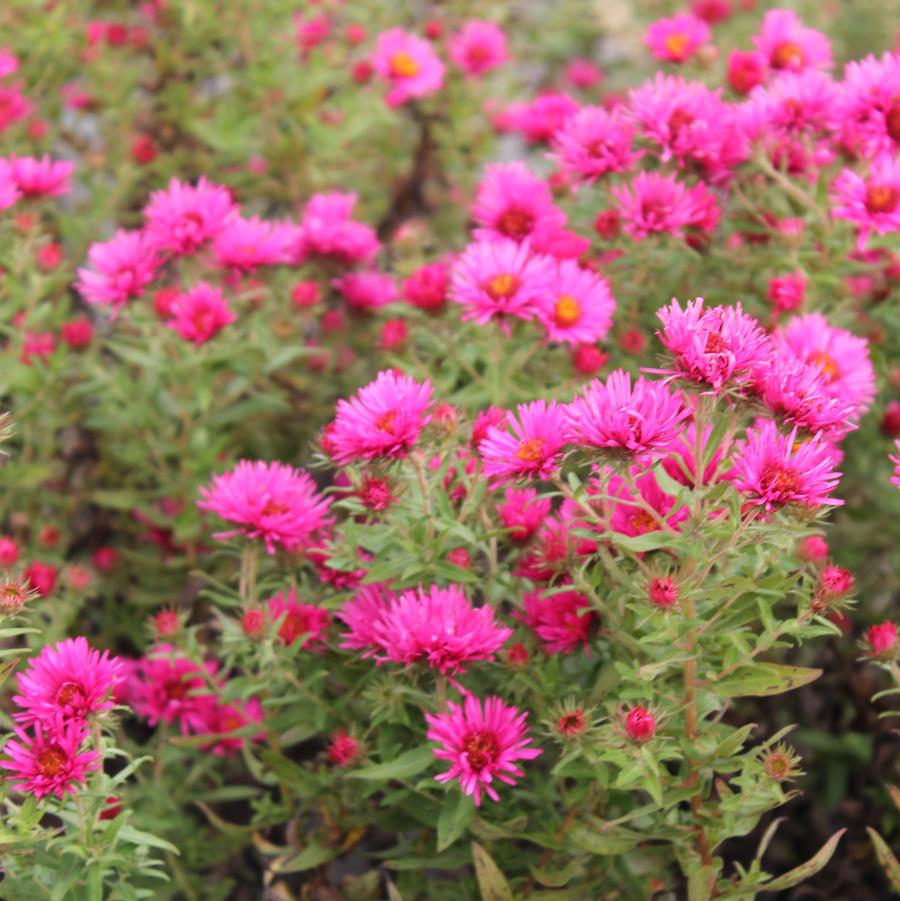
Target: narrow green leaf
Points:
(491, 881)
(311, 856)
(407, 764)
(764, 679)
(456, 814)
(810, 868)
(886, 858)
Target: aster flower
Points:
(327, 230)
(793, 106)
(774, 470)
(653, 202)
(512, 202)
(50, 762)
(367, 290)
(561, 619)
(14, 106)
(677, 38)
(715, 346)
(427, 287)
(243, 245)
(165, 686)
(558, 545)
(384, 419)
(408, 64)
(633, 516)
(522, 512)
(594, 142)
(67, 681)
(482, 744)
(578, 309)
(183, 217)
(788, 44)
(9, 190)
(120, 269)
(270, 501)
(619, 416)
(361, 614)
(895, 478)
(871, 203)
(680, 460)
(343, 749)
(41, 177)
(200, 314)
(297, 620)
(438, 627)
(478, 47)
(841, 357)
(869, 98)
(541, 119)
(499, 280)
(533, 446)
(9, 62)
(217, 719)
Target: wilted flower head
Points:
(482, 743)
(270, 501)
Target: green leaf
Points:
(289, 773)
(649, 541)
(886, 858)
(146, 839)
(616, 840)
(313, 855)
(810, 868)
(491, 882)
(407, 764)
(456, 814)
(764, 679)
(557, 877)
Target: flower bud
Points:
(640, 724)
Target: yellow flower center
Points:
(567, 312)
(402, 65)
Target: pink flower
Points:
(9, 551)
(165, 686)
(715, 346)
(544, 116)
(408, 64)
(498, 280)
(37, 345)
(594, 142)
(841, 356)
(678, 38)
(871, 203)
(13, 105)
(362, 614)
(787, 292)
(9, 62)
(366, 290)
(41, 577)
(522, 512)
(583, 73)
(835, 582)
(635, 516)
(384, 419)
(514, 203)
(788, 44)
(309, 33)
(663, 592)
(653, 202)
(183, 217)
(561, 619)
(774, 470)
(481, 743)
(746, 70)
(270, 501)
(869, 98)
(243, 245)
(297, 620)
(343, 749)
(50, 762)
(640, 724)
(67, 681)
(427, 287)
(478, 47)
(120, 269)
(9, 190)
(327, 230)
(882, 639)
(41, 177)
(217, 720)
(438, 627)
(200, 314)
(619, 416)
(533, 447)
(579, 307)
(895, 478)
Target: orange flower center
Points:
(68, 693)
(567, 312)
(402, 65)
(274, 508)
(787, 55)
(715, 343)
(882, 199)
(515, 223)
(502, 287)
(643, 522)
(826, 364)
(481, 748)
(780, 479)
(51, 760)
(676, 43)
(531, 451)
(386, 423)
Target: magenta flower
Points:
(791, 108)
(895, 478)
(50, 762)
(367, 290)
(41, 177)
(561, 619)
(408, 64)
(478, 47)
(619, 416)
(633, 516)
(533, 446)
(383, 419)
(523, 512)
(243, 245)
(14, 106)
(438, 627)
(362, 614)
(269, 501)
(653, 203)
(871, 203)
(297, 620)
(200, 314)
(183, 217)
(481, 743)
(165, 686)
(869, 97)
(67, 681)
(579, 307)
(774, 470)
(499, 280)
(789, 45)
(677, 38)
(120, 269)
(217, 719)
(9, 190)
(594, 142)
(717, 346)
(327, 231)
